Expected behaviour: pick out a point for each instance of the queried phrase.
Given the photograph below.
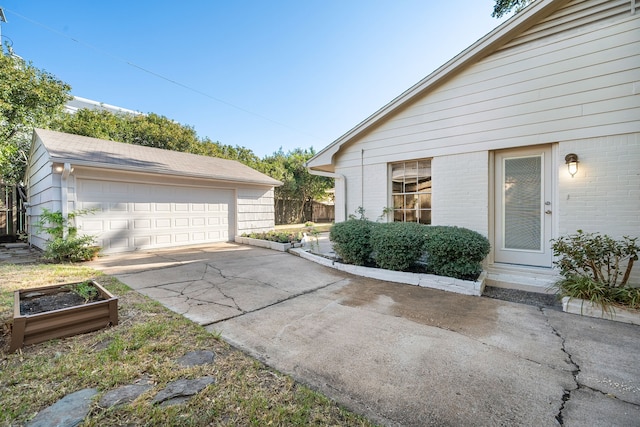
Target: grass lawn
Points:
(320, 227)
(145, 344)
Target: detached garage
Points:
(143, 197)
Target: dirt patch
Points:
(36, 302)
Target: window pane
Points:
(424, 184)
(397, 187)
(425, 167)
(425, 217)
(398, 216)
(411, 186)
(425, 201)
(397, 174)
(410, 216)
(410, 201)
(398, 202)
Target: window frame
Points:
(411, 201)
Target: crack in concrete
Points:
(217, 286)
(290, 297)
(566, 396)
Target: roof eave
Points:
(156, 171)
(480, 49)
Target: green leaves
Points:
(352, 240)
(448, 251)
(398, 245)
(70, 248)
(597, 268)
(29, 98)
(599, 257)
(502, 7)
(455, 251)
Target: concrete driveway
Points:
(399, 354)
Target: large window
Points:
(411, 191)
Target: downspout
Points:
(64, 198)
(341, 186)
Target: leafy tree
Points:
(149, 130)
(300, 187)
(29, 97)
(502, 7)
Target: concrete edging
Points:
(276, 246)
(466, 287)
(589, 309)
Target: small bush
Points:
(351, 240)
(597, 256)
(397, 245)
(597, 268)
(73, 248)
(455, 252)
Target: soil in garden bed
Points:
(37, 302)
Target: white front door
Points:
(523, 208)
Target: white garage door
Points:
(132, 216)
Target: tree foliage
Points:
(149, 130)
(300, 187)
(29, 97)
(502, 7)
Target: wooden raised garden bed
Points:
(83, 316)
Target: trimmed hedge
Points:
(398, 245)
(448, 251)
(455, 252)
(351, 240)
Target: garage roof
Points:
(85, 151)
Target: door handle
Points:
(548, 212)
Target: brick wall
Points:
(461, 191)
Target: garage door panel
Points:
(142, 224)
(122, 224)
(132, 216)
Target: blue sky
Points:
(258, 74)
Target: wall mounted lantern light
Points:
(571, 160)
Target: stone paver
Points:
(67, 412)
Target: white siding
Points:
(353, 189)
(256, 210)
(43, 191)
(575, 85)
(460, 193)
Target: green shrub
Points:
(397, 245)
(455, 252)
(351, 240)
(597, 268)
(73, 248)
(597, 256)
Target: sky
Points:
(265, 75)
